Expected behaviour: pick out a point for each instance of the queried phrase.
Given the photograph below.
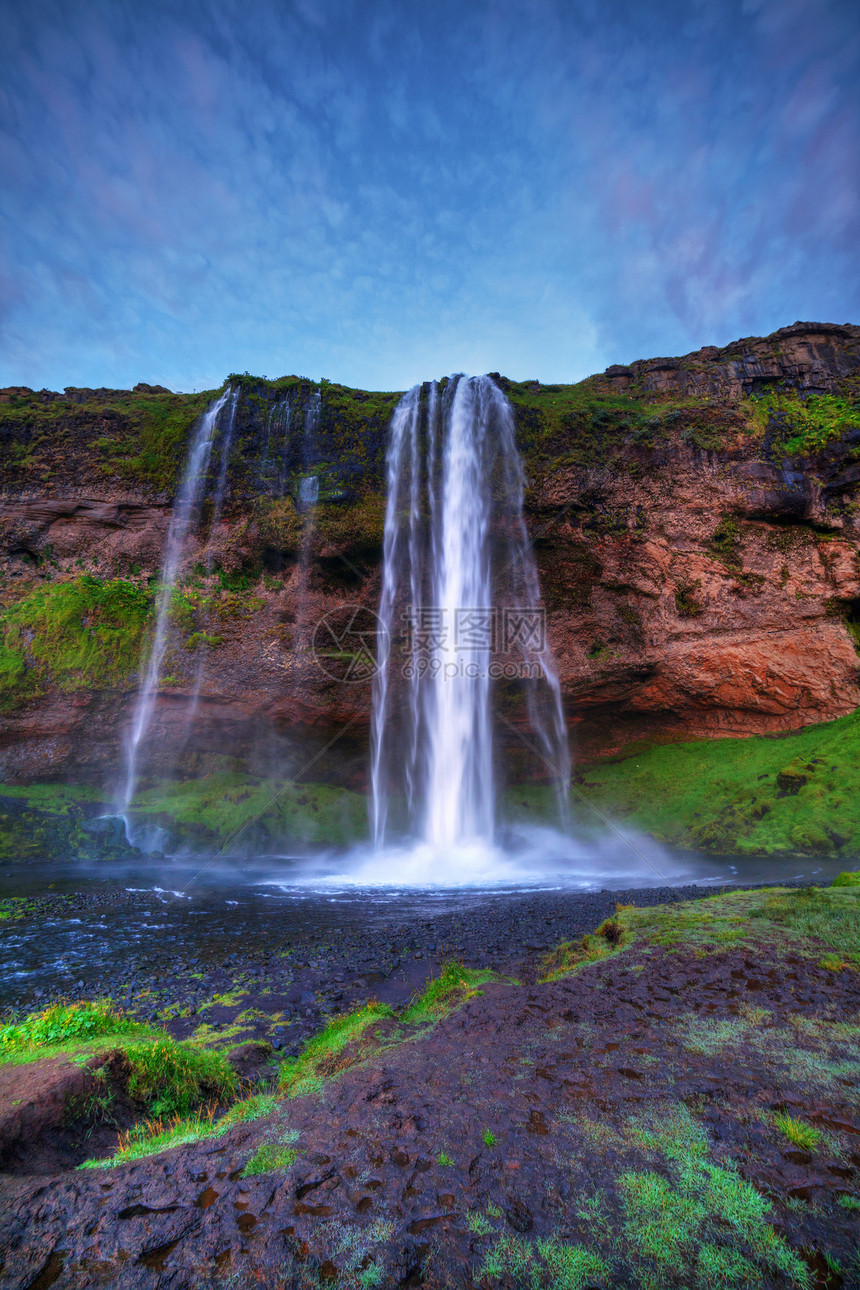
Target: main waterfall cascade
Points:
(459, 571)
(183, 520)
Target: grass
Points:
(454, 985)
(270, 1157)
(155, 1136)
(171, 1077)
(796, 793)
(66, 1028)
(444, 1160)
(668, 1216)
(545, 1263)
(701, 1217)
(167, 1076)
(805, 920)
(331, 1051)
(569, 956)
(802, 1135)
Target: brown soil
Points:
(554, 1072)
(56, 1113)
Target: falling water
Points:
(185, 514)
(458, 563)
(307, 496)
(272, 473)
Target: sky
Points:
(379, 192)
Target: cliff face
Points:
(695, 522)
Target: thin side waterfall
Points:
(307, 496)
(186, 512)
(272, 473)
(458, 568)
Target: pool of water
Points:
(143, 915)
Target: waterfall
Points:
(185, 514)
(458, 568)
(272, 472)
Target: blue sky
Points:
(382, 192)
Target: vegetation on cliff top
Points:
(125, 435)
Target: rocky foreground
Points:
(670, 1102)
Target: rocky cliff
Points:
(695, 519)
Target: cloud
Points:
(382, 192)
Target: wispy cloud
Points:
(380, 192)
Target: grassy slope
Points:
(756, 796)
(797, 793)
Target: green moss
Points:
(114, 434)
(74, 635)
(847, 879)
(213, 810)
(685, 599)
(804, 424)
(797, 793)
(198, 640)
(726, 540)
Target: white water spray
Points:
(185, 514)
(457, 561)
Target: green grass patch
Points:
(544, 1264)
(454, 985)
(801, 1134)
(696, 1215)
(65, 1028)
(74, 635)
(270, 1157)
(171, 1077)
(334, 1049)
(159, 1135)
(805, 920)
(796, 794)
(569, 956)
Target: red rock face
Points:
(656, 632)
(690, 593)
